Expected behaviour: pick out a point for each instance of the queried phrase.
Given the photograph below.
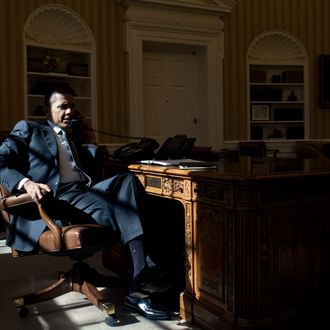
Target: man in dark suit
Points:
(41, 159)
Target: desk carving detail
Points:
(210, 247)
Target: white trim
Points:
(219, 6)
(170, 30)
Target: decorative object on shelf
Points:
(324, 71)
(292, 97)
(260, 112)
(50, 63)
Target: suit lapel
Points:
(50, 140)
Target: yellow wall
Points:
(307, 20)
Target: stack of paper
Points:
(185, 163)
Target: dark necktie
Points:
(66, 139)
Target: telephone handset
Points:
(144, 149)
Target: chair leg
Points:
(95, 297)
(85, 279)
(60, 287)
(80, 278)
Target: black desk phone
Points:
(144, 149)
(176, 147)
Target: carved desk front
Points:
(256, 239)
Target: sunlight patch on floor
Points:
(3, 248)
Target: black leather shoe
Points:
(144, 307)
(148, 281)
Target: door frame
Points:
(209, 38)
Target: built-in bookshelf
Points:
(49, 66)
(277, 94)
(59, 49)
(277, 102)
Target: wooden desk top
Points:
(246, 168)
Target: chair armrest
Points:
(8, 201)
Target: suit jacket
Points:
(29, 151)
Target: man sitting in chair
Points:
(40, 159)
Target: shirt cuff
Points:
(21, 183)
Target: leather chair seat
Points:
(76, 237)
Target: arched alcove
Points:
(277, 89)
(56, 33)
(276, 47)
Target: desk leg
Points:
(187, 297)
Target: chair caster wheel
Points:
(23, 312)
(111, 320)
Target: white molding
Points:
(146, 24)
(276, 47)
(58, 26)
(217, 6)
(173, 19)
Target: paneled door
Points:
(173, 93)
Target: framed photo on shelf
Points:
(260, 112)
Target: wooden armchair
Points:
(77, 242)
(255, 149)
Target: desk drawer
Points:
(166, 186)
(212, 192)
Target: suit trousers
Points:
(114, 202)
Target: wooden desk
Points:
(257, 239)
